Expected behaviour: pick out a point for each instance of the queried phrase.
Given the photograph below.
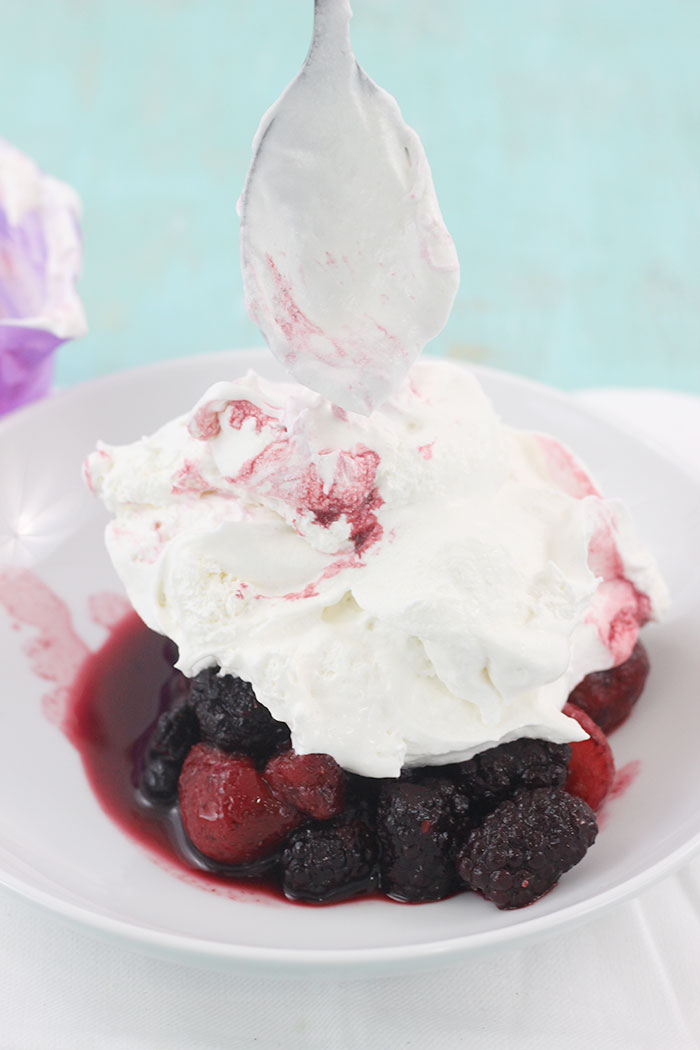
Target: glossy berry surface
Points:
(314, 784)
(231, 718)
(506, 823)
(418, 830)
(608, 696)
(592, 767)
(497, 774)
(524, 847)
(228, 812)
(329, 861)
(175, 733)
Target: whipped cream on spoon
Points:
(348, 268)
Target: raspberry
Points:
(314, 784)
(175, 733)
(592, 768)
(324, 862)
(497, 774)
(231, 718)
(608, 696)
(418, 829)
(523, 848)
(227, 809)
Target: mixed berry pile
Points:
(506, 824)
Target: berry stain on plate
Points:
(201, 775)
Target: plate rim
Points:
(220, 955)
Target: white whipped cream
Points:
(404, 589)
(348, 268)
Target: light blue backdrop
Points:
(564, 137)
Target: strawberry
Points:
(314, 784)
(592, 768)
(608, 696)
(227, 809)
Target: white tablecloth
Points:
(628, 980)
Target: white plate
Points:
(59, 849)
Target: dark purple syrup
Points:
(117, 696)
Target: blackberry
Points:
(419, 829)
(447, 782)
(360, 800)
(329, 861)
(231, 718)
(175, 733)
(523, 848)
(495, 775)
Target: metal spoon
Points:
(347, 266)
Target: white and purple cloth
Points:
(40, 261)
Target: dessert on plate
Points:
(404, 625)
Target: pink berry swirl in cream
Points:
(408, 588)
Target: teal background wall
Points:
(564, 139)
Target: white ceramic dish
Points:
(59, 849)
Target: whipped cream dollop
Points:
(407, 588)
(348, 268)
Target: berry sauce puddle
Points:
(115, 701)
(105, 702)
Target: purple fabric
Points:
(23, 258)
(26, 365)
(40, 259)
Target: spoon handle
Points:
(331, 26)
